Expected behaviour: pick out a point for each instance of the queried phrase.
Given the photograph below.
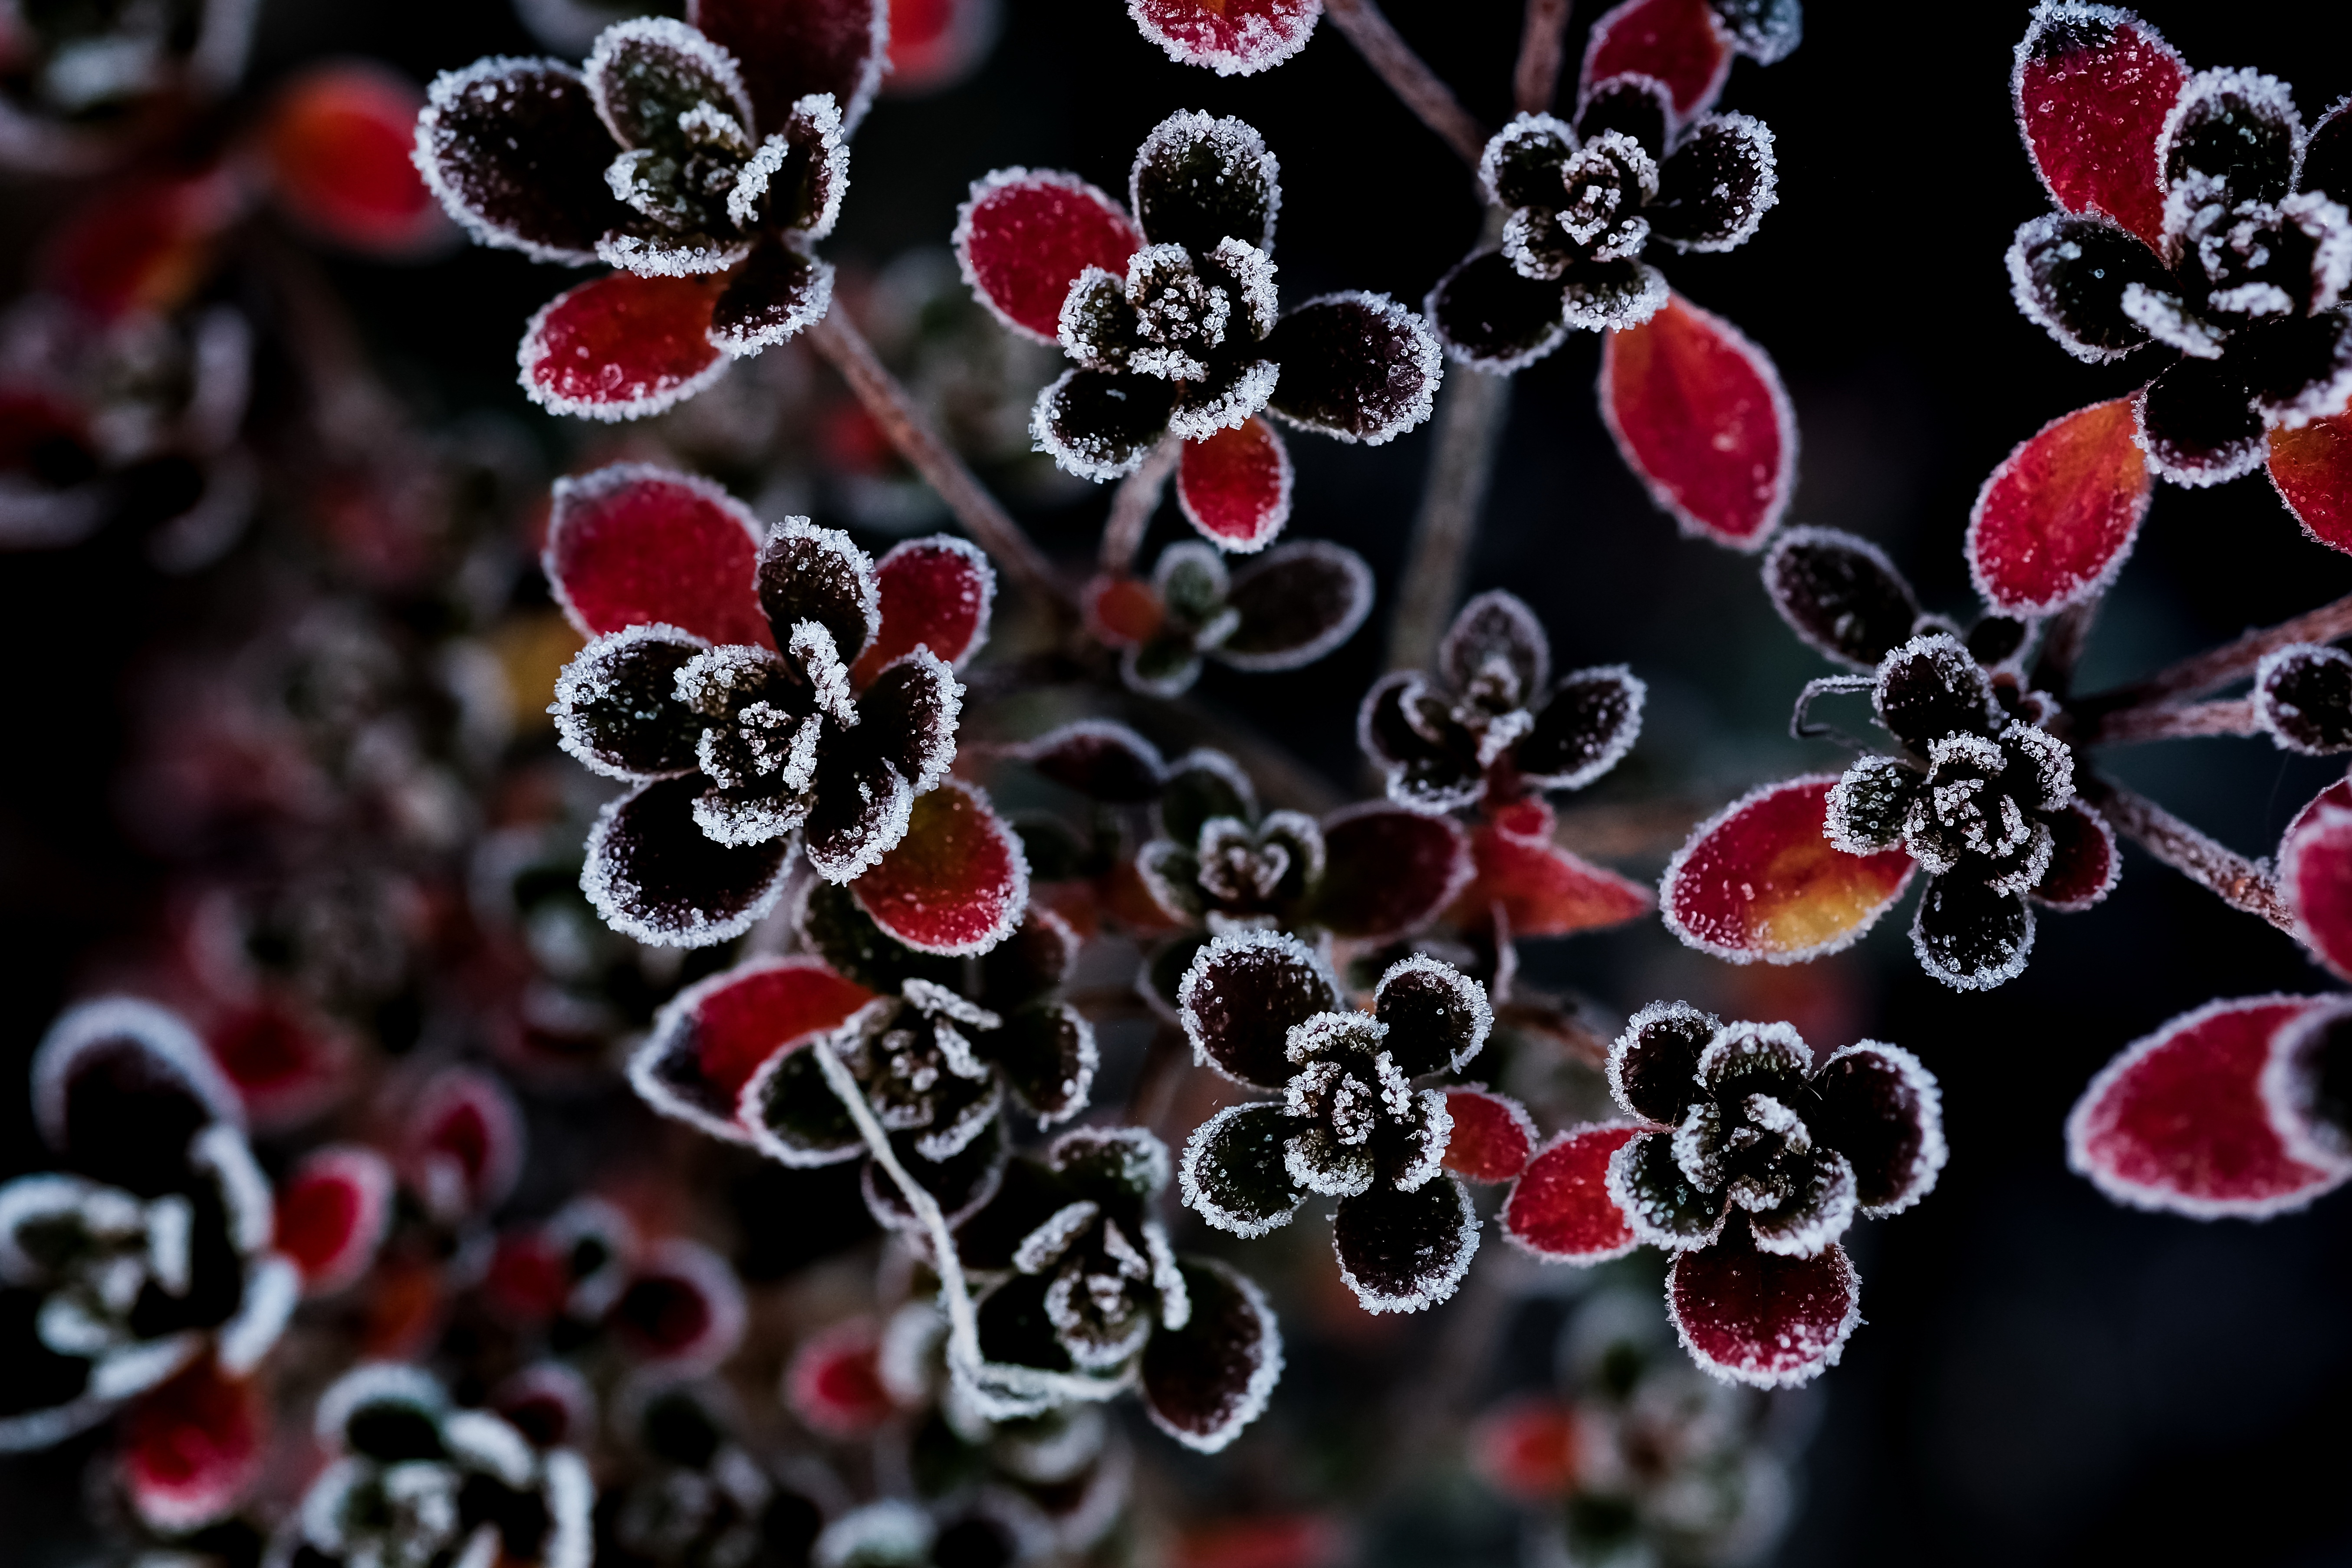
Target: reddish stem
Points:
(1535, 79)
(1393, 59)
(2231, 661)
(2135, 724)
(1131, 506)
(2227, 875)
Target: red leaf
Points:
(936, 592)
(2315, 876)
(1699, 414)
(1494, 1136)
(1759, 880)
(1541, 889)
(634, 543)
(333, 1213)
(1676, 41)
(1559, 1210)
(1528, 1451)
(957, 883)
(622, 346)
(1762, 1319)
(834, 1383)
(2312, 469)
(465, 1143)
(936, 43)
(2338, 794)
(789, 48)
(2053, 524)
(287, 1063)
(712, 1037)
(1387, 870)
(338, 144)
(2084, 861)
(1235, 487)
(682, 1308)
(2092, 88)
(190, 1449)
(141, 245)
(2177, 1121)
(1024, 237)
(1232, 38)
(1123, 611)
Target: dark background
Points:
(2043, 1377)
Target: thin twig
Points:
(1393, 59)
(2133, 724)
(1535, 79)
(1131, 507)
(846, 350)
(2231, 661)
(1470, 414)
(2227, 875)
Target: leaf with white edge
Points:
(1534, 886)
(1676, 42)
(2197, 424)
(710, 1038)
(1437, 1017)
(1232, 38)
(788, 52)
(123, 1083)
(1653, 1065)
(1496, 628)
(1969, 936)
(937, 593)
(1699, 413)
(2084, 860)
(2315, 877)
(1747, 1316)
(1100, 760)
(1714, 189)
(2306, 1087)
(192, 1449)
(654, 875)
(778, 290)
(1817, 1211)
(1235, 486)
(1101, 425)
(1243, 995)
(646, 72)
(1759, 880)
(1406, 1252)
(1932, 687)
(811, 573)
(2232, 135)
(956, 883)
(516, 154)
(1882, 1108)
(1840, 593)
(616, 708)
(2177, 1121)
(635, 544)
(1559, 1210)
(2092, 87)
(1206, 1381)
(834, 1383)
(462, 1151)
(1198, 179)
(1662, 1204)
(1233, 1173)
(790, 1112)
(2069, 274)
(621, 347)
(1583, 728)
(1763, 30)
(682, 1310)
(1298, 603)
(1492, 1138)
(2302, 698)
(2055, 521)
(1492, 319)
(1357, 366)
(1049, 1057)
(334, 1209)
(1023, 237)
(2311, 468)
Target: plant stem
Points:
(1131, 507)
(1470, 414)
(1393, 59)
(846, 350)
(2231, 661)
(2135, 724)
(2227, 875)
(1535, 79)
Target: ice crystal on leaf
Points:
(1282, 611)
(2302, 698)
(1232, 38)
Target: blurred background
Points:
(2041, 1375)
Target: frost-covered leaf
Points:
(709, 1040)
(1540, 889)
(779, 290)
(1206, 1381)
(633, 544)
(1583, 728)
(2302, 698)
(956, 883)
(1495, 626)
(2177, 1121)
(1716, 186)
(2306, 1086)
(192, 1449)
(1752, 1317)
(682, 1310)
(833, 1381)
(1101, 761)
(1969, 936)
(2310, 467)
(617, 708)
(1101, 425)
(864, 801)
(1235, 1173)
(2084, 860)
(1641, 107)
(1232, 38)
(2092, 88)
(462, 1149)
(1241, 998)
(791, 50)
(2056, 521)
(1296, 604)
(791, 1115)
(2325, 163)
(1763, 30)
(961, 1182)
(1759, 880)
(2316, 878)
(340, 145)
(1930, 688)
(1653, 1065)
(514, 150)
(654, 875)
(935, 592)
(1882, 1109)
(1494, 1137)
(1198, 179)
(1491, 318)
(333, 1210)
(1559, 1210)
(1405, 1252)
(1358, 366)
(1840, 593)
(646, 72)
(1699, 414)
(119, 1086)
(288, 1062)
(811, 573)
(1662, 1204)
(1675, 42)
(2068, 276)
(1048, 1057)
(1023, 237)
(1235, 486)
(1437, 1017)
(2234, 128)
(621, 347)
(1201, 787)
(2197, 425)
(1387, 870)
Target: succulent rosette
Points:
(701, 158)
(766, 691)
(1173, 318)
(1263, 1009)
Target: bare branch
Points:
(1536, 80)
(2227, 875)
(1470, 414)
(2135, 724)
(1393, 59)
(2231, 661)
